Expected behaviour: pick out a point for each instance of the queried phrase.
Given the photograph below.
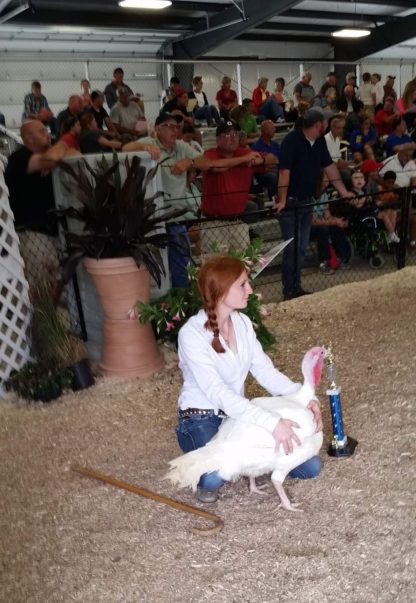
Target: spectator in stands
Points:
(385, 117)
(329, 230)
(384, 201)
(85, 93)
(74, 109)
(225, 192)
(111, 90)
(203, 110)
(303, 155)
(370, 168)
(285, 100)
(266, 105)
(304, 91)
(403, 165)
(244, 116)
(351, 80)
(71, 132)
(178, 106)
(127, 116)
(192, 136)
(333, 142)
(36, 106)
(266, 144)
(330, 82)
(352, 120)
(347, 102)
(170, 92)
(92, 139)
(388, 88)
(378, 91)
(364, 134)
(398, 137)
(31, 194)
(226, 97)
(100, 114)
(366, 94)
(327, 102)
(407, 104)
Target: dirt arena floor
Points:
(67, 538)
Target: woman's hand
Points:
(317, 417)
(283, 434)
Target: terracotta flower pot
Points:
(129, 348)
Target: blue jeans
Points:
(294, 253)
(271, 109)
(197, 431)
(179, 254)
(209, 113)
(194, 433)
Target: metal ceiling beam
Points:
(285, 38)
(107, 19)
(397, 5)
(275, 26)
(381, 38)
(227, 25)
(334, 16)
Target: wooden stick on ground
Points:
(176, 504)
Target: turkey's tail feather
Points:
(186, 470)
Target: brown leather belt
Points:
(205, 412)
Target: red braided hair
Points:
(215, 277)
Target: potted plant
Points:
(52, 343)
(60, 357)
(120, 245)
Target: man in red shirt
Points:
(383, 120)
(226, 98)
(225, 190)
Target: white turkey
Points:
(242, 448)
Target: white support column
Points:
(239, 84)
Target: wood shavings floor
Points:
(66, 538)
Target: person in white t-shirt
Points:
(217, 348)
(203, 110)
(333, 141)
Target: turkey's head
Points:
(312, 365)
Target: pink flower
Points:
(262, 261)
(131, 314)
(164, 306)
(259, 296)
(265, 312)
(169, 326)
(177, 317)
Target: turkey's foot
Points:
(285, 502)
(254, 489)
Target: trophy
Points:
(341, 444)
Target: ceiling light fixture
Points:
(351, 33)
(150, 4)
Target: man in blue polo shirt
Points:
(303, 155)
(266, 144)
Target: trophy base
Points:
(346, 450)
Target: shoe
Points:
(289, 296)
(302, 292)
(325, 269)
(393, 238)
(206, 496)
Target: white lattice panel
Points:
(14, 293)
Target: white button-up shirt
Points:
(216, 381)
(404, 173)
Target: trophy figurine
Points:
(341, 444)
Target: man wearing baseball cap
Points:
(225, 192)
(302, 157)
